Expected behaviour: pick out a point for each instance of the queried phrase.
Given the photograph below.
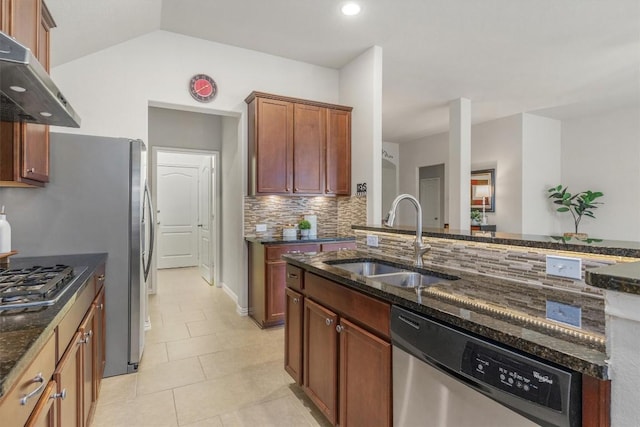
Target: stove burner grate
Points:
(24, 285)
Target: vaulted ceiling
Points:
(557, 58)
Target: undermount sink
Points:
(408, 279)
(390, 275)
(368, 268)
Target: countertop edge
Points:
(279, 240)
(622, 277)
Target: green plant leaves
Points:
(578, 204)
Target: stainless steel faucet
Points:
(419, 247)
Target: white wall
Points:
(113, 89)
(541, 163)
(361, 88)
(390, 174)
(497, 144)
(602, 152)
(428, 151)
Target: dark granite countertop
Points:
(621, 277)
(22, 336)
(590, 245)
(319, 238)
(467, 303)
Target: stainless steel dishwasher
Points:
(443, 377)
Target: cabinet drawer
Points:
(72, 319)
(337, 246)
(274, 252)
(354, 305)
(35, 377)
(295, 277)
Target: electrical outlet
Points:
(564, 266)
(564, 313)
(261, 227)
(372, 240)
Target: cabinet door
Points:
(338, 153)
(308, 148)
(25, 19)
(275, 285)
(274, 147)
(44, 414)
(294, 316)
(100, 342)
(365, 378)
(68, 375)
(35, 152)
(320, 355)
(87, 328)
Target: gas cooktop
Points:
(34, 287)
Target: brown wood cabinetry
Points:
(294, 313)
(346, 350)
(24, 148)
(320, 355)
(298, 147)
(268, 278)
(63, 380)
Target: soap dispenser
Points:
(5, 233)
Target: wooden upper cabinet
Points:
(298, 147)
(272, 141)
(24, 148)
(338, 178)
(308, 148)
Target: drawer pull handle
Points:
(339, 328)
(101, 277)
(292, 276)
(328, 321)
(296, 300)
(294, 252)
(37, 379)
(30, 170)
(62, 395)
(101, 306)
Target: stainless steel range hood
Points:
(27, 93)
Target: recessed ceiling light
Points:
(46, 114)
(17, 88)
(351, 9)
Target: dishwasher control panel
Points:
(512, 376)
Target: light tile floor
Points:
(204, 365)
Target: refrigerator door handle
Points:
(147, 201)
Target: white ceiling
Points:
(561, 57)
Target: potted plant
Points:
(578, 205)
(304, 227)
(476, 217)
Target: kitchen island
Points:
(41, 335)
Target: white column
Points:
(623, 348)
(459, 164)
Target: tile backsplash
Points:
(335, 214)
(525, 268)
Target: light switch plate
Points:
(261, 227)
(372, 240)
(564, 266)
(564, 313)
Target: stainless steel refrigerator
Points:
(97, 201)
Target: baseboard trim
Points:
(242, 311)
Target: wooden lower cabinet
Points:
(100, 342)
(294, 318)
(86, 330)
(365, 377)
(320, 355)
(346, 368)
(44, 414)
(68, 375)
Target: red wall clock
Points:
(202, 87)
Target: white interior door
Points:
(430, 202)
(205, 219)
(177, 216)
